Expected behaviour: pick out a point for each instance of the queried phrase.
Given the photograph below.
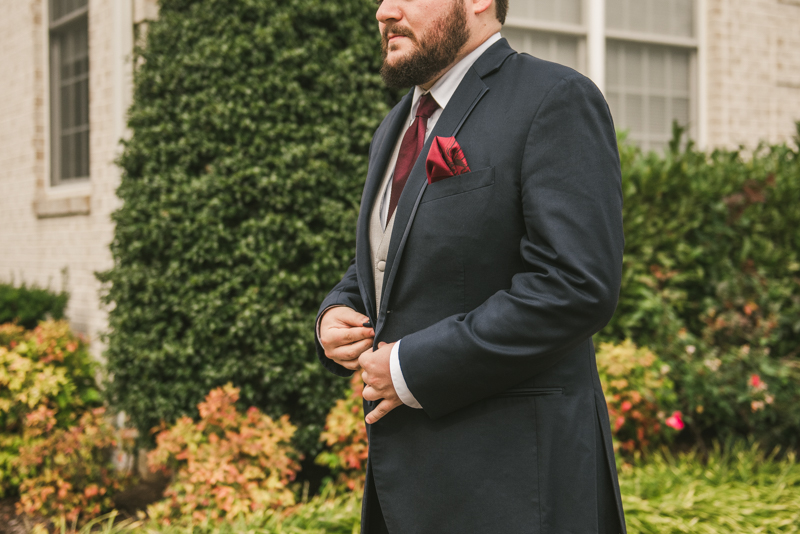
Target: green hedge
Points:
(712, 282)
(28, 305)
(250, 128)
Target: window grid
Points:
(658, 17)
(69, 94)
(565, 49)
(564, 11)
(649, 87)
(644, 95)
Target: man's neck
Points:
(475, 40)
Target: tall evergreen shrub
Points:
(251, 124)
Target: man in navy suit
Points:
(489, 251)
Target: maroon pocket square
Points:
(445, 159)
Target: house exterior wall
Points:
(753, 71)
(59, 236)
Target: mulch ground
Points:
(10, 523)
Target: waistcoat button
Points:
(381, 265)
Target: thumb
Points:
(352, 318)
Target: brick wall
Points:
(753, 71)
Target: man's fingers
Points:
(351, 334)
(350, 352)
(370, 393)
(336, 336)
(350, 365)
(381, 410)
(350, 317)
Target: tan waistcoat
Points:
(379, 241)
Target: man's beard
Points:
(433, 53)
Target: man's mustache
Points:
(396, 30)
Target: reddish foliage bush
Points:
(68, 472)
(226, 465)
(640, 396)
(345, 435)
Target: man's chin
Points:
(396, 55)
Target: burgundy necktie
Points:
(410, 148)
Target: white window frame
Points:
(594, 36)
(55, 180)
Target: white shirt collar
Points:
(444, 88)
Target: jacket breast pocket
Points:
(462, 183)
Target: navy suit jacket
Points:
(495, 282)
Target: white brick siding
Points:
(753, 71)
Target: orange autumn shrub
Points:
(345, 435)
(67, 472)
(227, 464)
(640, 396)
(50, 368)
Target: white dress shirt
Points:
(442, 91)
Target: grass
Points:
(739, 489)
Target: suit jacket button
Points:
(381, 265)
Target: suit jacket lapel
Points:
(382, 148)
(466, 97)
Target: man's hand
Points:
(377, 378)
(344, 337)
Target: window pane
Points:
(663, 17)
(564, 49)
(648, 87)
(565, 11)
(634, 114)
(61, 8)
(615, 9)
(70, 98)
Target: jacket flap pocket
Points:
(460, 183)
(530, 392)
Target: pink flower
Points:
(675, 421)
(618, 423)
(626, 405)
(755, 381)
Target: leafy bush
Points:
(250, 125)
(45, 368)
(345, 437)
(711, 282)
(227, 465)
(68, 472)
(29, 305)
(639, 395)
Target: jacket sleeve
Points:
(345, 293)
(572, 251)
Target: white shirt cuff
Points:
(399, 382)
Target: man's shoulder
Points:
(537, 71)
